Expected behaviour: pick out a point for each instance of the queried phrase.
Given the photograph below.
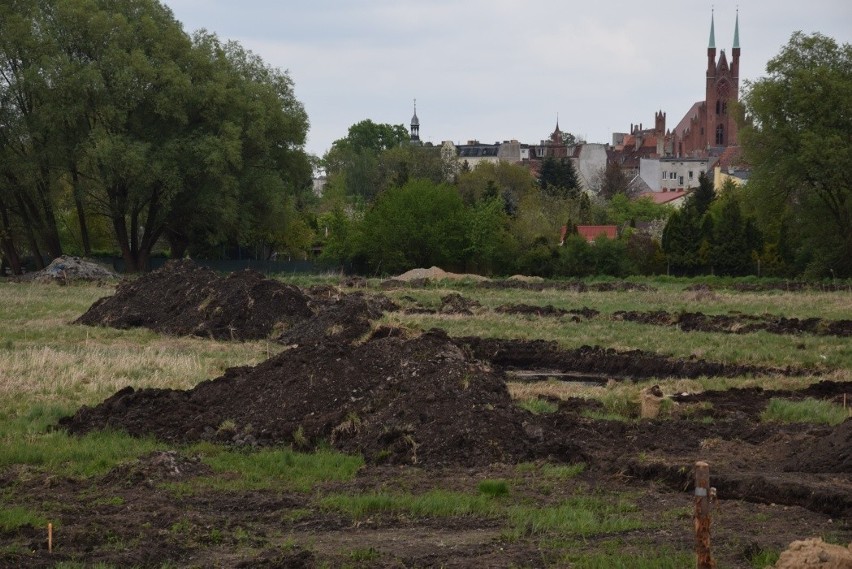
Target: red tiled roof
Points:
(591, 232)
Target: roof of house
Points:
(592, 232)
(731, 157)
(661, 198)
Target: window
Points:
(720, 135)
(690, 174)
(664, 174)
(672, 175)
(680, 181)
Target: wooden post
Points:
(50, 538)
(704, 559)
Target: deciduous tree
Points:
(797, 140)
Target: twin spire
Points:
(712, 43)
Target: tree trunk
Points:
(10, 253)
(81, 214)
(178, 243)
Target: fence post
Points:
(704, 559)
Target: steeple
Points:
(712, 44)
(735, 52)
(711, 48)
(737, 31)
(415, 126)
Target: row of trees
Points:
(118, 130)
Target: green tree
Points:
(355, 159)
(491, 248)
(703, 195)
(557, 177)
(417, 225)
(511, 182)
(797, 140)
(682, 240)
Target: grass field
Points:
(50, 367)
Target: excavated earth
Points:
(183, 298)
(426, 411)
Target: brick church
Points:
(710, 123)
(706, 129)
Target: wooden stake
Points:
(50, 538)
(704, 559)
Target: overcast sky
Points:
(496, 70)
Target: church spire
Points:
(737, 31)
(415, 126)
(712, 44)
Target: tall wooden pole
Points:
(704, 559)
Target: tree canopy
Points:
(163, 135)
(796, 137)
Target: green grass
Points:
(436, 503)
(91, 455)
(764, 558)
(580, 515)
(14, 517)
(538, 406)
(562, 471)
(805, 411)
(493, 488)
(280, 468)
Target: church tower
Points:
(722, 88)
(415, 126)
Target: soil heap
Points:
(396, 400)
(65, 269)
(183, 298)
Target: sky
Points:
(495, 70)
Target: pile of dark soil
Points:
(548, 310)
(454, 303)
(344, 320)
(827, 452)
(396, 400)
(538, 355)
(183, 298)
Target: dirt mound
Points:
(436, 274)
(183, 298)
(345, 320)
(814, 553)
(396, 400)
(829, 453)
(454, 303)
(67, 269)
(547, 310)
